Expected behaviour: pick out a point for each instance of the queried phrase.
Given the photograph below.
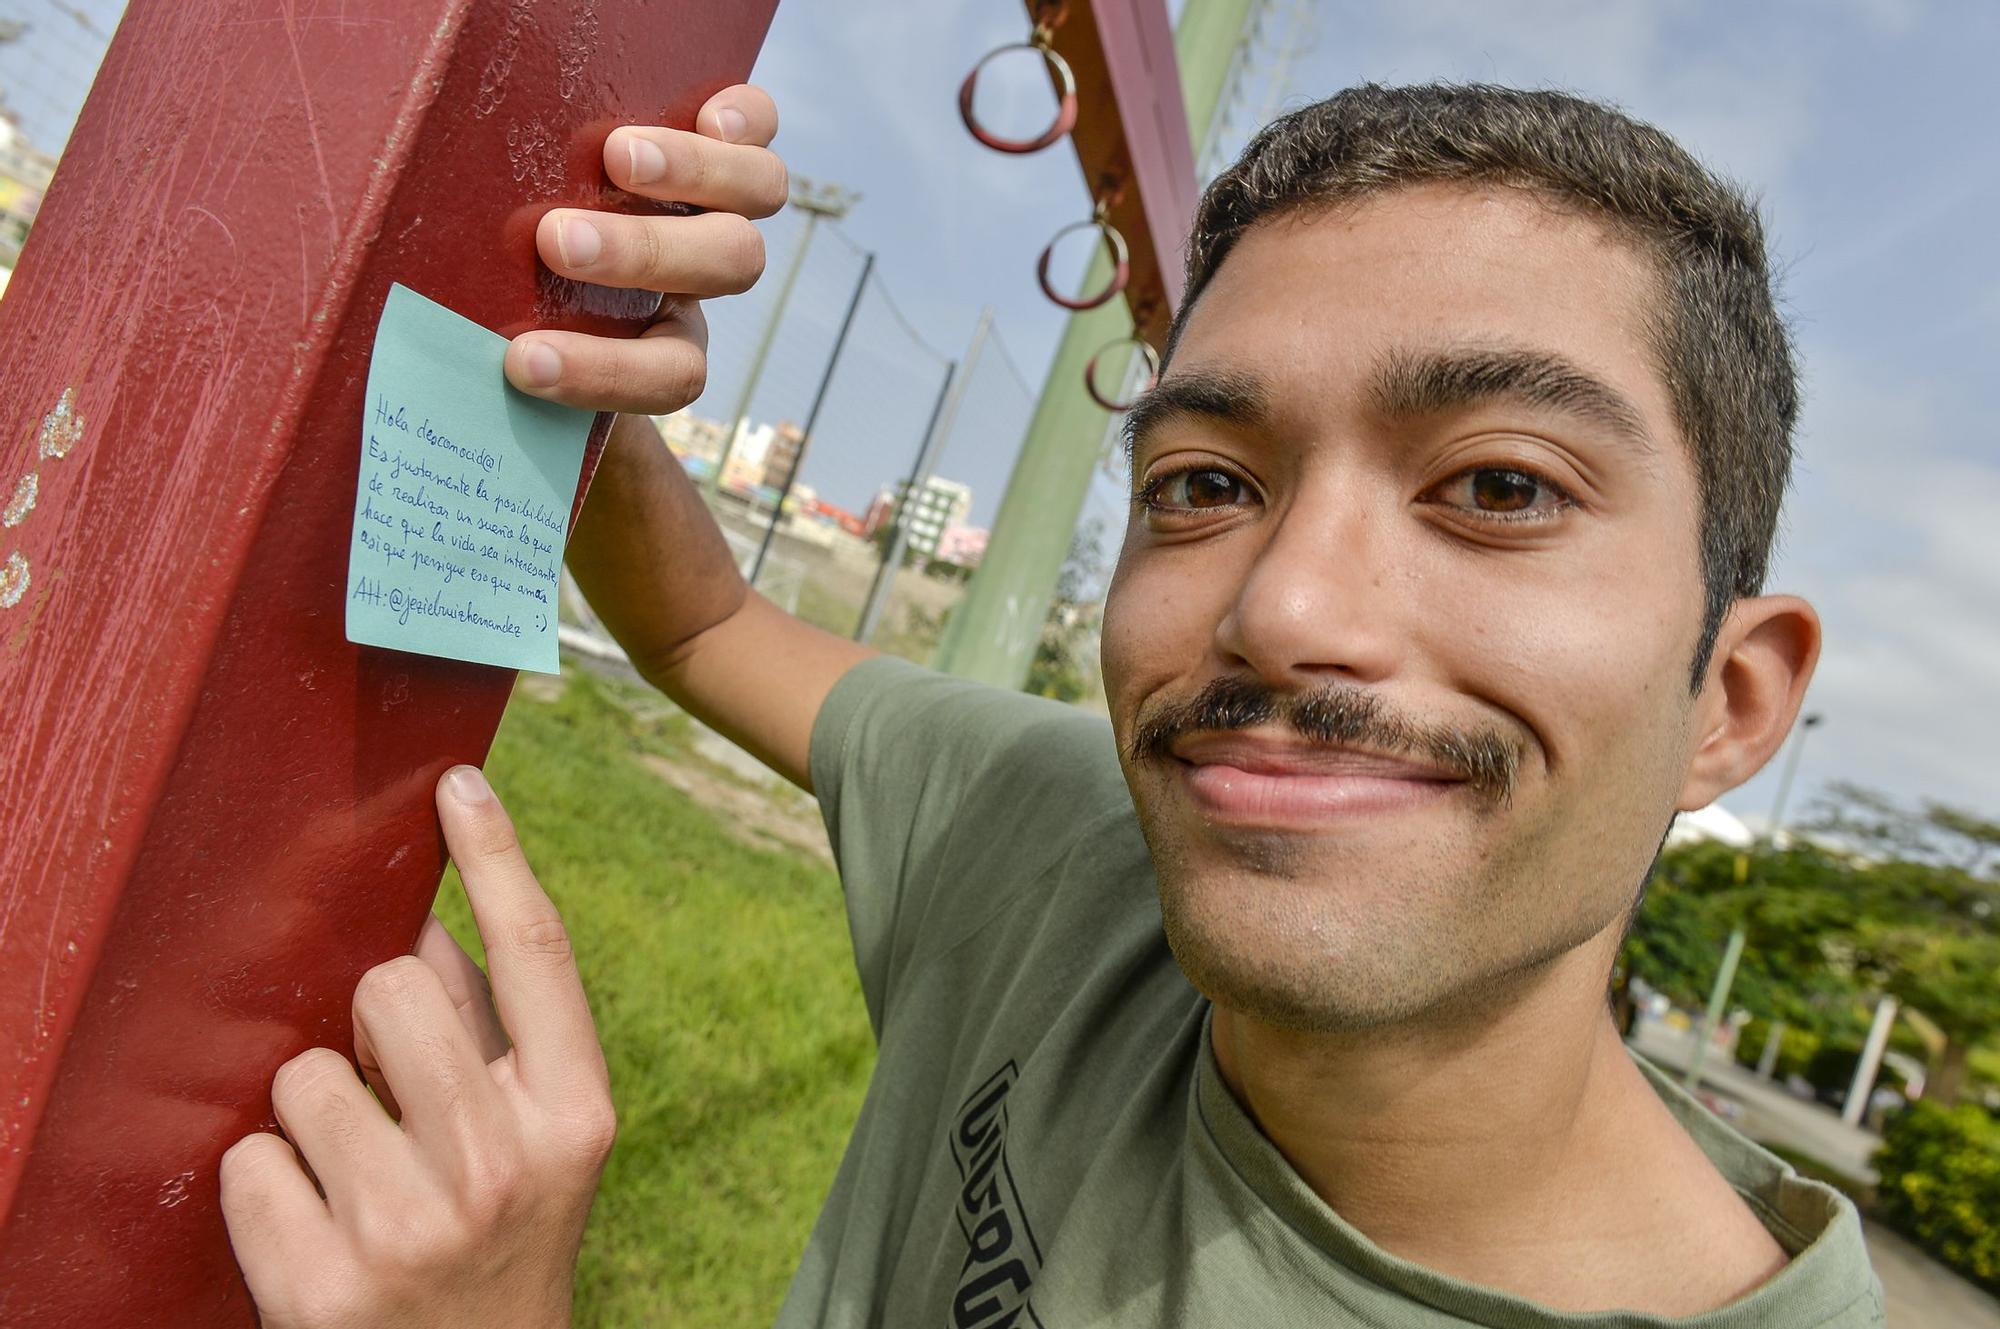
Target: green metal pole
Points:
(992, 633)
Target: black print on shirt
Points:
(1001, 1257)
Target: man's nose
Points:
(1321, 602)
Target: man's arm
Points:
(646, 552)
(656, 569)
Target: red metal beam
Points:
(1131, 139)
(215, 813)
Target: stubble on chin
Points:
(1289, 949)
(1274, 926)
(1244, 925)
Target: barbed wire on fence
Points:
(1007, 359)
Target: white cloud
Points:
(1888, 17)
(1893, 538)
(1742, 105)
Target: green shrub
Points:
(1831, 1067)
(1750, 1041)
(1940, 1183)
(1796, 1046)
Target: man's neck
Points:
(1510, 1146)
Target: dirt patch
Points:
(544, 688)
(776, 819)
(771, 815)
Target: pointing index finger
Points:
(535, 983)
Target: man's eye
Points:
(1196, 491)
(1502, 492)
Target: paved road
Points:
(1923, 1294)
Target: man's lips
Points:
(1248, 779)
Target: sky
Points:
(1866, 128)
(46, 73)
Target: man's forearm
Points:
(649, 556)
(655, 567)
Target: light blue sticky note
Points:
(463, 505)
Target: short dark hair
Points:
(1723, 349)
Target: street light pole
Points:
(1806, 725)
(991, 635)
(816, 201)
(1725, 977)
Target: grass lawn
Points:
(907, 630)
(725, 994)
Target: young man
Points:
(1281, 999)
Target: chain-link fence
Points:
(824, 503)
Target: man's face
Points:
(1397, 650)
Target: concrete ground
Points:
(1923, 1294)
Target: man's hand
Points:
(459, 1198)
(725, 168)
(646, 550)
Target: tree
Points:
(1933, 833)
(1930, 932)
(1676, 937)
(939, 570)
(884, 539)
(1797, 909)
(1953, 977)
(1890, 902)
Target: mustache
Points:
(1336, 715)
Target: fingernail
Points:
(467, 785)
(540, 365)
(733, 124)
(579, 242)
(648, 162)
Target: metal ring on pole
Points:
(1065, 110)
(1121, 257)
(1152, 358)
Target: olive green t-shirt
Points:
(1046, 1140)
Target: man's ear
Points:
(1764, 658)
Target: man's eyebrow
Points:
(1225, 396)
(1407, 384)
